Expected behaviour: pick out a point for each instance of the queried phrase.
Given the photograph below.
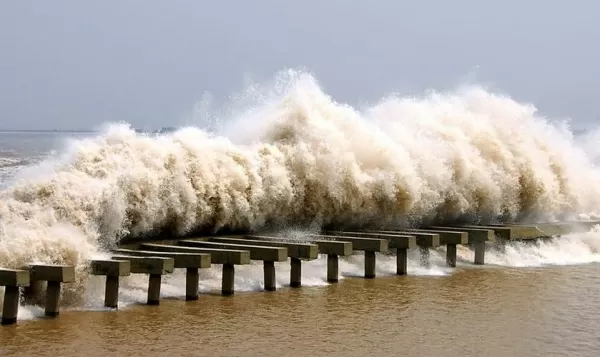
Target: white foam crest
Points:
(296, 157)
(571, 249)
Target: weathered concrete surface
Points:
(217, 256)
(272, 254)
(394, 240)
(182, 260)
(110, 267)
(303, 251)
(148, 265)
(423, 239)
(56, 273)
(475, 234)
(445, 236)
(14, 277)
(358, 243)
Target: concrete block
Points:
(423, 239)
(53, 273)
(217, 256)
(475, 234)
(272, 254)
(448, 236)
(331, 247)
(148, 265)
(13, 277)
(358, 243)
(110, 267)
(305, 251)
(182, 260)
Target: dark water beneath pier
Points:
(489, 311)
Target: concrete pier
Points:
(155, 267)
(368, 245)
(191, 262)
(11, 280)
(268, 255)
(333, 250)
(401, 243)
(227, 257)
(295, 273)
(296, 252)
(113, 270)
(54, 275)
(477, 240)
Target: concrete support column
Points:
(401, 261)
(228, 280)
(479, 248)
(52, 298)
(269, 275)
(154, 283)
(10, 306)
(451, 255)
(332, 268)
(370, 264)
(296, 273)
(192, 277)
(111, 292)
(32, 294)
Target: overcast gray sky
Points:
(75, 64)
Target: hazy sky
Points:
(75, 64)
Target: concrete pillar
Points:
(401, 261)
(32, 294)
(333, 269)
(479, 253)
(296, 273)
(424, 253)
(369, 265)
(228, 279)
(451, 255)
(192, 277)
(154, 283)
(111, 292)
(52, 298)
(10, 307)
(269, 275)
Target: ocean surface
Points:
(287, 154)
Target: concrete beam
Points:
(475, 234)
(302, 251)
(148, 265)
(110, 267)
(54, 273)
(113, 270)
(271, 254)
(217, 256)
(14, 277)
(12, 280)
(181, 260)
(395, 241)
(423, 239)
(359, 244)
